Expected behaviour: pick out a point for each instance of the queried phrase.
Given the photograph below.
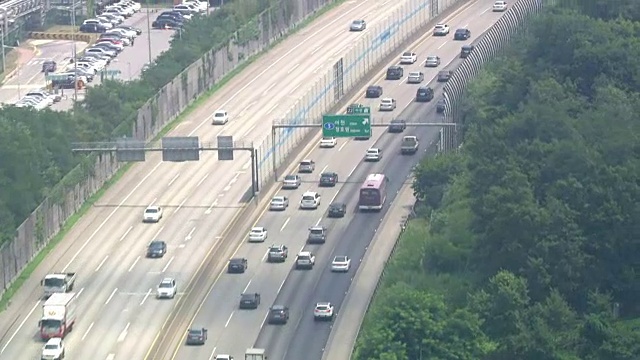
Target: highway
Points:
(118, 314)
(231, 330)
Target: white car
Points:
(373, 154)
(408, 58)
(167, 289)
(387, 104)
(323, 311)
(123, 10)
(132, 4)
(98, 22)
(341, 264)
(101, 51)
(279, 203)
(328, 142)
(291, 182)
(219, 117)
(41, 93)
(187, 9)
(441, 30)
(499, 6)
(152, 214)
(258, 234)
(111, 18)
(223, 357)
(53, 349)
(122, 32)
(310, 200)
(305, 260)
(203, 6)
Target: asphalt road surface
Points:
(232, 331)
(118, 316)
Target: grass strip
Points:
(88, 204)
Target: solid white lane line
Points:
(246, 287)
(101, 263)
(229, 319)
(343, 145)
(285, 224)
(272, 108)
(111, 296)
(104, 222)
(20, 326)
(153, 201)
(189, 236)
(167, 266)
(146, 296)
(126, 233)
(79, 293)
(352, 170)
(84, 336)
(441, 45)
(134, 263)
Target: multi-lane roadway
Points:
(130, 62)
(231, 330)
(118, 314)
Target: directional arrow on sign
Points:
(365, 121)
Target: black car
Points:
(175, 15)
(374, 91)
(64, 81)
(163, 23)
(337, 210)
(130, 28)
(424, 94)
(395, 73)
(444, 75)
(237, 266)
(49, 66)
(397, 126)
(465, 51)
(440, 106)
(156, 249)
(462, 34)
(92, 28)
(249, 301)
(196, 336)
(278, 314)
(328, 179)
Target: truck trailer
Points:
(255, 354)
(58, 283)
(58, 316)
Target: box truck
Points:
(58, 316)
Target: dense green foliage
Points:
(37, 151)
(531, 251)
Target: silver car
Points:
(279, 203)
(291, 182)
(415, 77)
(432, 61)
(306, 166)
(358, 25)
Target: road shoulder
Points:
(364, 284)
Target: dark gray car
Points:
(317, 235)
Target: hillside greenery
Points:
(36, 146)
(528, 243)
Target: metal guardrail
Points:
(485, 49)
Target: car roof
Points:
(249, 295)
(323, 304)
(387, 99)
(328, 173)
(278, 307)
(195, 331)
(309, 193)
(304, 253)
(157, 242)
(237, 260)
(278, 197)
(54, 341)
(167, 280)
(258, 228)
(153, 207)
(340, 258)
(291, 177)
(306, 161)
(317, 227)
(337, 204)
(373, 149)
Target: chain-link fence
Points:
(485, 49)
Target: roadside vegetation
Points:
(528, 240)
(36, 145)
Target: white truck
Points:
(409, 145)
(58, 283)
(255, 354)
(58, 316)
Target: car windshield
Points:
(247, 297)
(195, 332)
(151, 211)
(308, 198)
(156, 245)
(431, 58)
(340, 259)
(303, 257)
(305, 163)
(415, 74)
(327, 139)
(51, 346)
(316, 231)
(322, 307)
(165, 285)
(219, 114)
(290, 177)
(372, 151)
(406, 54)
(256, 231)
(274, 249)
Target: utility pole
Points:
(149, 32)
(73, 53)
(4, 29)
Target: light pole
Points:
(17, 69)
(4, 28)
(74, 50)
(149, 32)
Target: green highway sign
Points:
(111, 72)
(346, 125)
(358, 109)
(51, 77)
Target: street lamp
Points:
(74, 50)
(4, 28)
